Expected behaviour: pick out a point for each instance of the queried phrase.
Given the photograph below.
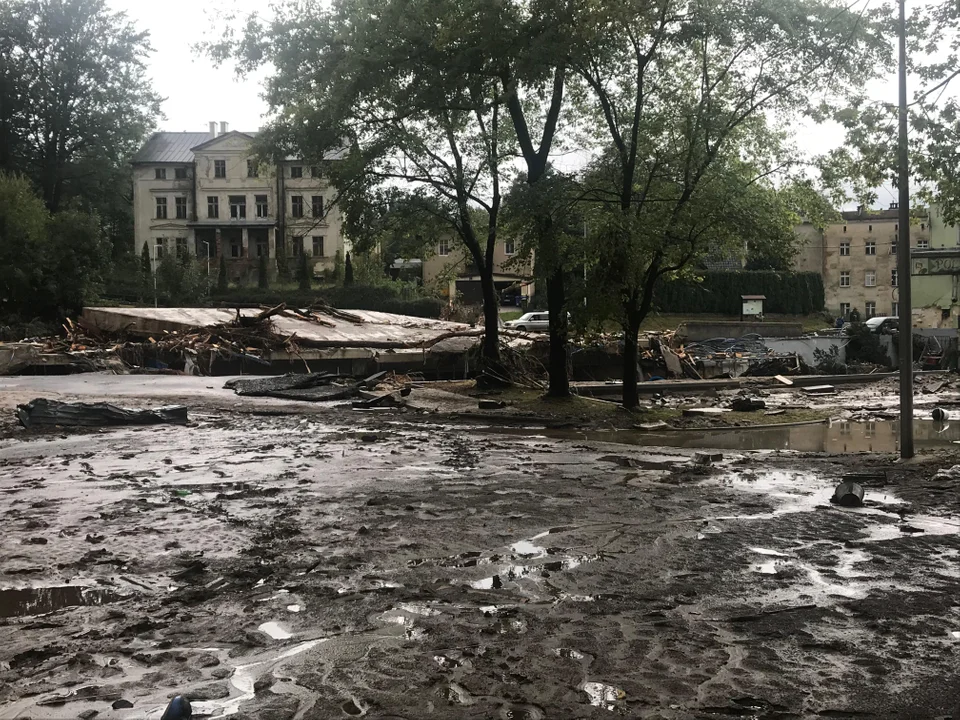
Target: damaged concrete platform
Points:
(280, 560)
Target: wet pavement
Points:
(339, 565)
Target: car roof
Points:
(879, 319)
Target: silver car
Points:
(536, 321)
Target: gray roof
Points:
(170, 147)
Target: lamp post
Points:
(905, 307)
(207, 245)
(153, 263)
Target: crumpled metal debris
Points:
(53, 412)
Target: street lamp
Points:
(153, 267)
(207, 245)
(905, 306)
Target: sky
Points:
(196, 92)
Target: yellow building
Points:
(453, 269)
(206, 194)
(857, 257)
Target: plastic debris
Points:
(53, 412)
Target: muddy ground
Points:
(282, 561)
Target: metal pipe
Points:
(905, 305)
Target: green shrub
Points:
(788, 293)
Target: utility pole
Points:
(905, 305)
(207, 246)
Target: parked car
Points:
(883, 325)
(536, 321)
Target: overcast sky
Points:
(196, 92)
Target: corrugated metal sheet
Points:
(170, 147)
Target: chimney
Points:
(213, 130)
(223, 128)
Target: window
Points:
(180, 173)
(296, 206)
(894, 244)
(181, 206)
(297, 245)
(213, 206)
(220, 168)
(844, 309)
(870, 248)
(870, 279)
(252, 169)
(844, 228)
(896, 227)
(923, 244)
(161, 173)
(158, 249)
(869, 228)
(317, 202)
(238, 207)
(181, 247)
(845, 247)
(263, 247)
(509, 247)
(923, 226)
(893, 277)
(236, 247)
(205, 248)
(296, 171)
(318, 245)
(871, 309)
(161, 208)
(895, 309)
(845, 279)
(263, 209)
(315, 172)
(444, 247)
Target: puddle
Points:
(881, 436)
(275, 630)
(602, 695)
(39, 601)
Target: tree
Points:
(76, 97)
(76, 256)
(303, 271)
(23, 221)
(222, 284)
(348, 271)
(263, 280)
(684, 95)
(378, 77)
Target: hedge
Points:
(788, 293)
(382, 298)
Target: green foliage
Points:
(50, 265)
(348, 271)
(828, 361)
(338, 266)
(263, 279)
(864, 346)
(179, 281)
(392, 297)
(75, 100)
(304, 272)
(222, 283)
(719, 292)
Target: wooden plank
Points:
(782, 379)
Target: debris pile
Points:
(53, 412)
(745, 356)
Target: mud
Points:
(330, 564)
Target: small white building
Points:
(206, 194)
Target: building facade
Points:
(936, 276)
(857, 258)
(452, 268)
(207, 195)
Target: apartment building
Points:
(206, 194)
(857, 258)
(452, 267)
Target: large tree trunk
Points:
(490, 350)
(557, 305)
(631, 357)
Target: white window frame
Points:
(845, 309)
(894, 278)
(509, 247)
(868, 311)
(844, 279)
(845, 248)
(217, 164)
(923, 244)
(870, 278)
(443, 247)
(870, 247)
